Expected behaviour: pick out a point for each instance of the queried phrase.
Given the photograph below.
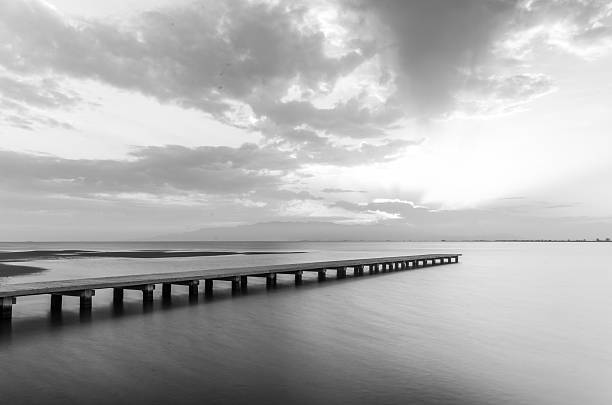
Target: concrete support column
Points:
(341, 272)
(235, 283)
(166, 291)
(243, 282)
(270, 280)
(147, 293)
(298, 277)
(358, 271)
(208, 287)
(56, 302)
(6, 307)
(321, 274)
(118, 295)
(193, 288)
(85, 299)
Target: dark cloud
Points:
(157, 170)
(350, 119)
(23, 102)
(28, 120)
(173, 169)
(436, 45)
(444, 49)
(223, 56)
(204, 56)
(45, 92)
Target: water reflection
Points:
(481, 332)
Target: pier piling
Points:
(118, 296)
(166, 291)
(208, 287)
(6, 307)
(270, 280)
(85, 288)
(56, 302)
(147, 291)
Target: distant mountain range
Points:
(314, 231)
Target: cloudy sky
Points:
(415, 119)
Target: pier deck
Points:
(85, 288)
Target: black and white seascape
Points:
(306, 202)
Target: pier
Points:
(86, 288)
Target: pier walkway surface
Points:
(85, 288)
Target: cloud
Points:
(396, 201)
(44, 92)
(435, 45)
(340, 190)
(24, 101)
(354, 75)
(496, 94)
(441, 52)
(335, 212)
(210, 55)
(154, 170)
(310, 147)
(582, 28)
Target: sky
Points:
(383, 119)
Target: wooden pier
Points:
(86, 288)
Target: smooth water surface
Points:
(512, 323)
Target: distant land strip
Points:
(532, 240)
(20, 256)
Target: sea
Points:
(511, 323)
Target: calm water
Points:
(513, 323)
